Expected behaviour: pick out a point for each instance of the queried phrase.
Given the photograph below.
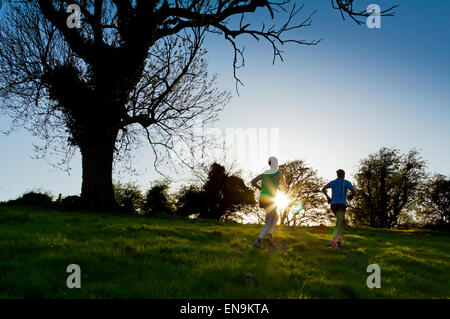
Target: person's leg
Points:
(340, 214)
(264, 231)
(272, 227)
(267, 225)
(334, 210)
(274, 222)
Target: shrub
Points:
(72, 202)
(34, 198)
(129, 196)
(158, 199)
(221, 196)
(191, 201)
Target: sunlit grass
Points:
(139, 257)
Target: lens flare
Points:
(282, 201)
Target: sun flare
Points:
(282, 200)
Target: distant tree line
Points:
(393, 190)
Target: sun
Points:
(282, 201)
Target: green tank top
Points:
(269, 184)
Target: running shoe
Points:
(258, 244)
(334, 244)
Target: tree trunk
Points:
(97, 189)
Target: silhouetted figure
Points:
(270, 180)
(338, 203)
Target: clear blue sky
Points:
(334, 103)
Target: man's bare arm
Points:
(255, 181)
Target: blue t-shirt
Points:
(339, 190)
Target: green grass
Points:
(140, 257)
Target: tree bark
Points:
(97, 188)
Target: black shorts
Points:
(266, 202)
(336, 207)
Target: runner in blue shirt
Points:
(338, 203)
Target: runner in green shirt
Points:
(270, 180)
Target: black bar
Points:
(224, 308)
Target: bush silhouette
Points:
(72, 202)
(219, 198)
(129, 197)
(158, 199)
(34, 198)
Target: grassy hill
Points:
(141, 257)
